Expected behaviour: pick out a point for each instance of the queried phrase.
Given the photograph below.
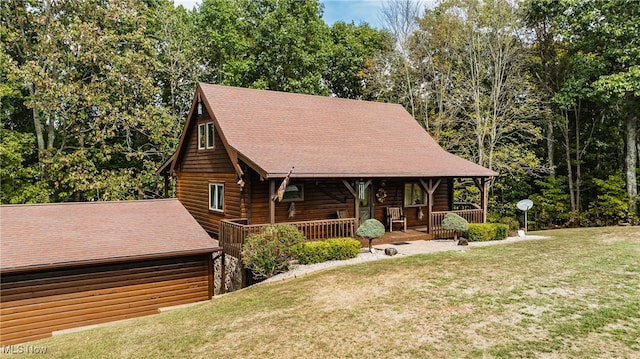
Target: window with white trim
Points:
(210, 135)
(206, 136)
(414, 195)
(201, 137)
(216, 197)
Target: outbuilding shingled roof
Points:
(328, 137)
(55, 235)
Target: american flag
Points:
(283, 186)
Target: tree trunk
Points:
(550, 149)
(51, 133)
(630, 161)
(567, 155)
(37, 124)
(578, 160)
(409, 89)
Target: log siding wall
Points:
(193, 193)
(395, 198)
(206, 160)
(322, 198)
(34, 304)
(199, 168)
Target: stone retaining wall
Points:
(233, 274)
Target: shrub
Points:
(371, 228)
(453, 222)
(328, 250)
(480, 232)
(612, 205)
(511, 222)
(552, 204)
(270, 251)
(501, 231)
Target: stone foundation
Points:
(233, 274)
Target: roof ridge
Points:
(205, 84)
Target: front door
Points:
(366, 205)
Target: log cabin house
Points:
(70, 265)
(348, 156)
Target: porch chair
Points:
(342, 213)
(395, 215)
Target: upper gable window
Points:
(206, 136)
(210, 135)
(201, 136)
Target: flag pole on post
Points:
(283, 186)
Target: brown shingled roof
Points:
(55, 235)
(328, 137)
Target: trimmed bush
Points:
(371, 228)
(478, 232)
(502, 231)
(328, 250)
(453, 222)
(270, 251)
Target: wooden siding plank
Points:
(61, 302)
(44, 303)
(22, 280)
(35, 293)
(208, 160)
(98, 317)
(122, 300)
(85, 282)
(193, 193)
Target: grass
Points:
(574, 295)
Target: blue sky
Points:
(357, 11)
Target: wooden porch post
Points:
(430, 187)
(356, 206)
(166, 186)
(483, 186)
(485, 199)
(272, 203)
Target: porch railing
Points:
(471, 215)
(232, 232)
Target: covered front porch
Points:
(331, 207)
(233, 232)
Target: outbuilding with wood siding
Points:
(76, 264)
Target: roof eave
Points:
(379, 175)
(181, 144)
(166, 167)
(101, 261)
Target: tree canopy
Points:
(94, 93)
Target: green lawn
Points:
(574, 295)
